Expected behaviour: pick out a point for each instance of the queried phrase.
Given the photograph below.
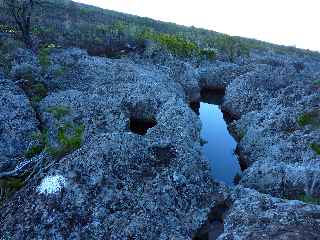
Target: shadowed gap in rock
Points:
(141, 126)
(213, 227)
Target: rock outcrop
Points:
(99, 179)
(17, 124)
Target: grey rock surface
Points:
(258, 216)
(118, 184)
(122, 185)
(17, 123)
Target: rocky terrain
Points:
(74, 166)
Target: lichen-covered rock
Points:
(218, 76)
(275, 140)
(117, 186)
(259, 216)
(17, 123)
(113, 183)
(188, 77)
(253, 90)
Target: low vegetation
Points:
(309, 118)
(43, 55)
(309, 199)
(70, 138)
(34, 150)
(315, 147)
(113, 34)
(233, 47)
(59, 111)
(69, 135)
(35, 91)
(9, 186)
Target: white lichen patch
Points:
(52, 184)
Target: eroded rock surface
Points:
(118, 184)
(110, 183)
(259, 216)
(17, 124)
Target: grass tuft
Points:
(69, 142)
(309, 118)
(59, 111)
(315, 147)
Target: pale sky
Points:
(286, 22)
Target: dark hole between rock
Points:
(242, 159)
(141, 126)
(212, 96)
(213, 227)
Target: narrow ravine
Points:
(220, 146)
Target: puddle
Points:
(220, 146)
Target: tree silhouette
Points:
(21, 11)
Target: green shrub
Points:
(233, 47)
(177, 45)
(44, 54)
(315, 147)
(208, 53)
(36, 91)
(39, 89)
(59, 111)
(305, 119)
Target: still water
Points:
(220, 145)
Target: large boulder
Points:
(275, 143)
(117, 186)
(219, 75)
(17, 124)
(258, 216)
(252, 91)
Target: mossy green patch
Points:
(309, 199)
(8, 186)
(59, 111)
(316, 82)
(315, 147)
(36, 91)
(34, 150)
(309, 118)
(70, 137)
(208, 53)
